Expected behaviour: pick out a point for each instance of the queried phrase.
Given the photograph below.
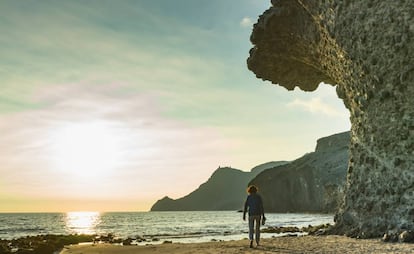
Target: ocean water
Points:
(172, 226)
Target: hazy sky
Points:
(111, 105)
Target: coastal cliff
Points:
(365, 49)
(224, 190)
(312, 183)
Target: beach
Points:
(291, 244)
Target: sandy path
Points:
(307, 244)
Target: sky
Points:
(112, 105)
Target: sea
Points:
(156, 227)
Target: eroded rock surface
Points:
(366, 49)
(313, 183)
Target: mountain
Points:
(312, 183)
(224, 190)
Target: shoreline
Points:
(52, 243)
(288, 244)
(311, 239)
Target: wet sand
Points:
(304, 244)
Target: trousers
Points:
(254, 227)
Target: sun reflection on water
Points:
(82, 222)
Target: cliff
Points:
(224, 190)
(312, 183)
(365, 49)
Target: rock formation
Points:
(366, 49)
(225, 190)
(312, 183)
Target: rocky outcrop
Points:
(366, 49)
(312, 183)
(225, 190)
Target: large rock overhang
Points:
(366, 49)
(292, 48)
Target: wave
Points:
(149, 225)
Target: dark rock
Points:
(406, 236)
(4, 248)
(279, 230)
(140, 239)
(393, 238)
(42, 243)
(127, 241)
(318, 230)
(117, 240)
(292, 235)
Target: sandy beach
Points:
(305, 244)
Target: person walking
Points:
(254, 207)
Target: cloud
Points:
(82, 44)
(155, 148)
(246, 22)
(316, 106)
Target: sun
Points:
(87, 149)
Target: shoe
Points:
(251, 244)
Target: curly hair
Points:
(252, 189)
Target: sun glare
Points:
(87, 149)
(82, 222)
